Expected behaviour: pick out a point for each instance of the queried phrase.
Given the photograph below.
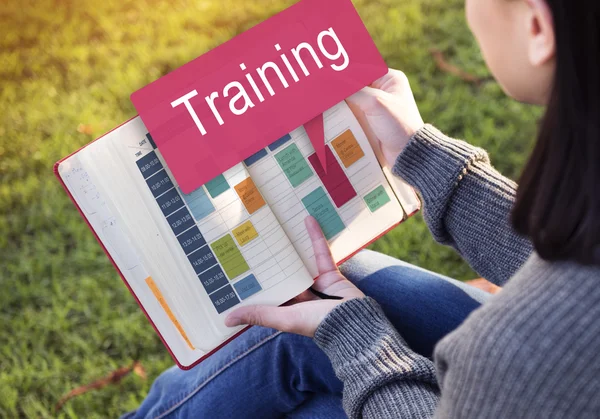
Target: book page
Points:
(353, 200)
(239, 239)
(404, 192)
(87, 191)
(223, 237)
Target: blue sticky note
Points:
(213, 279)
(278, 143)
(202, 259)
(247, 287)
(151, 140)
(169, 202)
(224, 299)
(159, 183)
(149, 164)
(191, 240)
(255, 157)
(180, 221)
(199, 203)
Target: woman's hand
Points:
(303, 314)
(388, 113)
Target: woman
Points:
(530, 351)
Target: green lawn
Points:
(67, 69)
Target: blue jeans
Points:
(267, 374)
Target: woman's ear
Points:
(542, 46)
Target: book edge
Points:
(213, 351)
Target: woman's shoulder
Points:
(536, 340)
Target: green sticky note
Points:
(229, 256)
(319, 205)
(294, 165)
(217, 186)
(377, 198)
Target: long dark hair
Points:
(558, 199)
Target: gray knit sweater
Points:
(533, 350)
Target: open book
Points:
(239, 239)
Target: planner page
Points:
(195, 256)
(224, 234)
(352, 200)
(93, 202)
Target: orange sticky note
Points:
(245, 233)
(250, 195)
(167, 309)
(347, 148)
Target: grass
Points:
(66, 71)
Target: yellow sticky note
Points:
(347, 148)
(165, 306)
(245, 233)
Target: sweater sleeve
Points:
(382, 376)
(467, 203)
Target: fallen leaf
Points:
(484, 285)
(139, 370)
(112, 378)
(444, 65)
(86, 129)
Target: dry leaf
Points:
(484, 285)
(139, 370)
(86, 129)
(112, 378)
(444, 65)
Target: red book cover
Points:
(333, 175)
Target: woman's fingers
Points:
(323, 256)
(367, 100)
(256, 315)
(301, 319)
(395, 82)
(303, 314)
(301, 298)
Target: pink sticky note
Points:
(315, 129)
(229, 103)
